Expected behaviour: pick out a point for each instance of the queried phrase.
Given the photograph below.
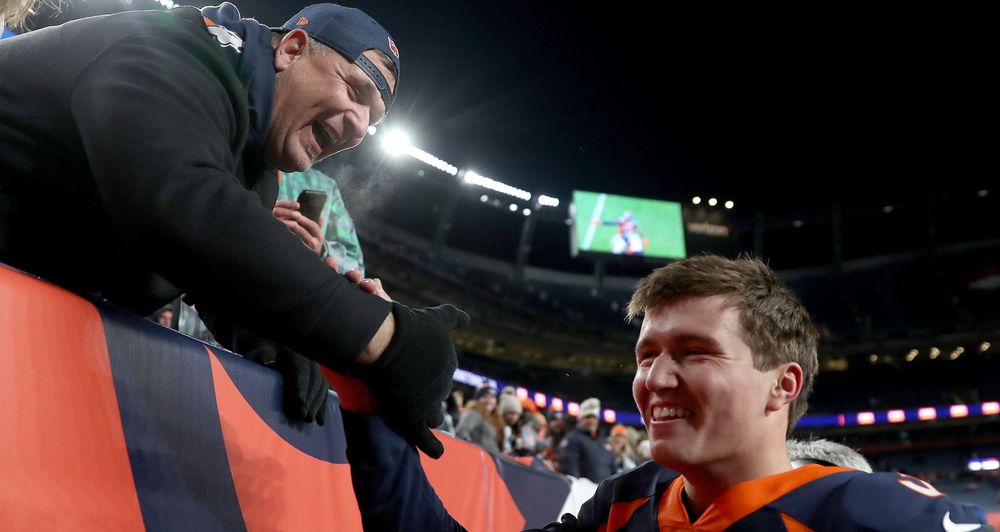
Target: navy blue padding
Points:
(167, 402)
(163, 381)
(538, 494)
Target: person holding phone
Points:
(331, 233)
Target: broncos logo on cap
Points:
(393, 49)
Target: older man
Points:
(726, 357)
(137, 154)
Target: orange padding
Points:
(469, 485)
(63, 458)
(279, 486)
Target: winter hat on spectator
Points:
(484, 389)
(508, 390)
(590, 407)
(619, 429)
(510, 403)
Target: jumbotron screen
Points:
(624, 225)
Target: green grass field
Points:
(660, 222)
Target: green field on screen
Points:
(660, 225)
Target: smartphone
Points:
(311, 203)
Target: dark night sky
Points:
(770, 109)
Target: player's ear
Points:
(786, 387)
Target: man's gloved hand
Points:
(305, 387)
(414, 373)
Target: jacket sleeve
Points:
(159, 126)
(391, 487)
(569, 456)
(470, 427)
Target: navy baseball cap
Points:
(350, 31)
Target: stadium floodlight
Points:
(548, 201)
(696, 200)
(430, 160)
(712, 202)
(991, 408)
(934, 353)
(372, 130)
(896, 416)
(730, 204)
(395, 142)
(526, 212)
(513, 207)
(496, 186)
(873, 358)
(958, 411)
(484, 198)
(991, 464)
(984, 347)
(911, 355)
(866, 418)
(975, 465)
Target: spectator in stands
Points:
(165, 317)
(584, 453)
(642, 451)
(208, 104)
(726, 356)
(520, 433)
(557, 429)
(481, 422)
(625, 459)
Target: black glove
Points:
(305, 387)
(414, 374)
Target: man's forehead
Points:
(689, 317)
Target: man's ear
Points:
(292, 47)
(787, 386)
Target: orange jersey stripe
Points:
(738, 502)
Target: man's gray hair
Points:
(825, 452)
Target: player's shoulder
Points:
(645, 480)
(899, 501)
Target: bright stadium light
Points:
(395, 142)
(730, 204)
(983, 347)
(696, 200)
(372, 130)
(484, 198)
(526, 212)
(935, 352)
(431, 160)
(712, 202)
(912, 355)
(548, 201)
(513, 207)
(496, 186)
